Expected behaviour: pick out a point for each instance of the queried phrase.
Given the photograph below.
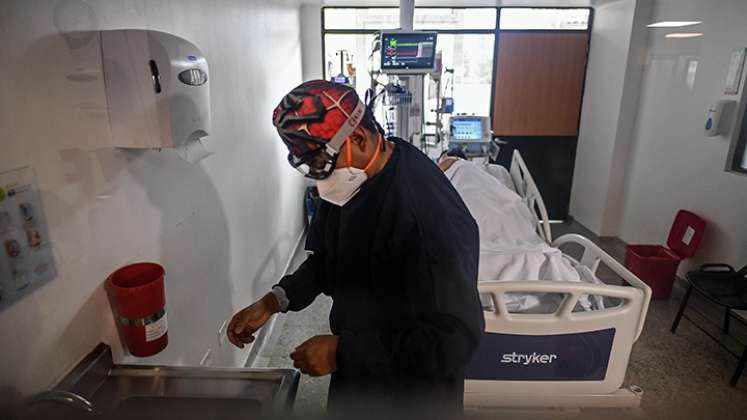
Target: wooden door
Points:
(539, 83)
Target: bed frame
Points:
(565, 358)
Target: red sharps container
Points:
(137, 293)
(657, 265)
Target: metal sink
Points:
(165, 392)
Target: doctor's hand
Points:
(317, 356)
(247, 321)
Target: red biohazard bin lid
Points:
(686, 233)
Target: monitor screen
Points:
(408, 52)
(466, 128)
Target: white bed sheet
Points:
(510, 248)
(504, 219)
(501, 174)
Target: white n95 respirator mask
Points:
(341, 185)
(344, 183)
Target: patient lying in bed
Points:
(510, 248)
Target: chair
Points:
(722, 285)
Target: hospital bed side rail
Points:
(527, 188)
(572, 291)
(594, 346)
(593, 255)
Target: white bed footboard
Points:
(564, 355)
(527, 188)
(593, 255)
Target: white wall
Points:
(616, 59)
(673, 165)
(223, 228)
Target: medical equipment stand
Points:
(409, 124)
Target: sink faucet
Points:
(64, 397)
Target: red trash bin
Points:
(137, 293)
(657, 265)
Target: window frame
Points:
(589, 24)
(496, 32)
(374, 31)
(738, 147)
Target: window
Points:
(557, 19)
(738, 152)
(466, 40)
(472, 79)
(355, 50)
(377, 18)
(373, 18)
(458, 19)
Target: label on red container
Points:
(688, 236)
(155, 325)
(156, 330)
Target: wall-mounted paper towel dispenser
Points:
(157, 91)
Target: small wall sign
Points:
(26, 260)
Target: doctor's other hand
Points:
(316, 356)
(247, 321)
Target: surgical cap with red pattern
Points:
(312, 113)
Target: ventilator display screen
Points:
(408, 52)
(466, 128)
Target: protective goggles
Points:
(317, 164)
(320, 164)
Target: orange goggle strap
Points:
(376, 154)
(350, 153)
(373, 158)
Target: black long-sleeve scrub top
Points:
(400, 262)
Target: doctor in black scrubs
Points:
(393, 245)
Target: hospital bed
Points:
(565, 357)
